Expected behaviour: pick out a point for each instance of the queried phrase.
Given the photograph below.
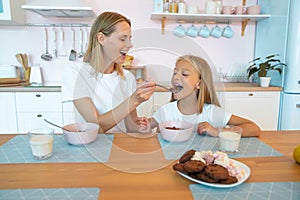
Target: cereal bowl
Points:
(176, 131)
(80, 133)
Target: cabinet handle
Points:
(38, 95)
(39, 115)
(298, 105)
(250, 94)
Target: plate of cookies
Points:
(213, 169)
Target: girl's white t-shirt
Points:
(214, 115)
(105, 90)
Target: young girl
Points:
(197, 102)
(99, 88)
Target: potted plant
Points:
(263, 66)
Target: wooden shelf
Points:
(207, 18)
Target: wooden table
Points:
(143, 173)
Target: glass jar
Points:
(173, 6)
(182, 7)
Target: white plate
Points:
(240, 181)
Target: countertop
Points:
(162, 183)
(224, 86)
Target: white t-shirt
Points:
(214, 115)
(105, 90)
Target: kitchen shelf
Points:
(207, 18)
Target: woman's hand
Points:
(144, 91)
(205, 127)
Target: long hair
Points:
(105, 23)
(207, 93)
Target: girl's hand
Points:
(143, 124)
(205, 127)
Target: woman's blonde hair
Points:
(207, 93)
(105, 23)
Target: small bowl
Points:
(82, 133)
(176, 131)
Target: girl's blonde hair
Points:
(207, 93)
(104, 23)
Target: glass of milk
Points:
(229, 138)
(41, 142)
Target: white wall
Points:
(224, 53)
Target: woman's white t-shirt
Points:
(214, 115)
(106, 91)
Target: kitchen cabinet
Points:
(260, 107)
(33, 107)
(207, 18)
(11, 12)
(8, 116)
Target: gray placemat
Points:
(50, 194)
(17, 150)
(249, 147)
(249, 191)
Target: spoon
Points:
(46, 56)
(81, 53)
(57, 125)
(174, 89)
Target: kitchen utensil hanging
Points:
(61, 46)
(54, 42)
(81, 53)
(46, 56)
(72, 56)
(86, 38)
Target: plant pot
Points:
(265, 81)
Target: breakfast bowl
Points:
(80, 133)
(176, 131)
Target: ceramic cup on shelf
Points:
(192, 31)
(240, 10)
(228, 10)
(216, 32)
(204, 31)
(179, 31)
(227, 32)
(253, 10)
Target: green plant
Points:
(262, 67)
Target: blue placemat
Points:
(249, 191)
(17, 150)
(50, 194)
(249, 147)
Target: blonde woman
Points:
(100, 89)
(197, 102)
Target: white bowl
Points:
(183, 134)
(82, 133)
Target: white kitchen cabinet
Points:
(11, 12)
(260, 107)
(33, 107)
(8, 117)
